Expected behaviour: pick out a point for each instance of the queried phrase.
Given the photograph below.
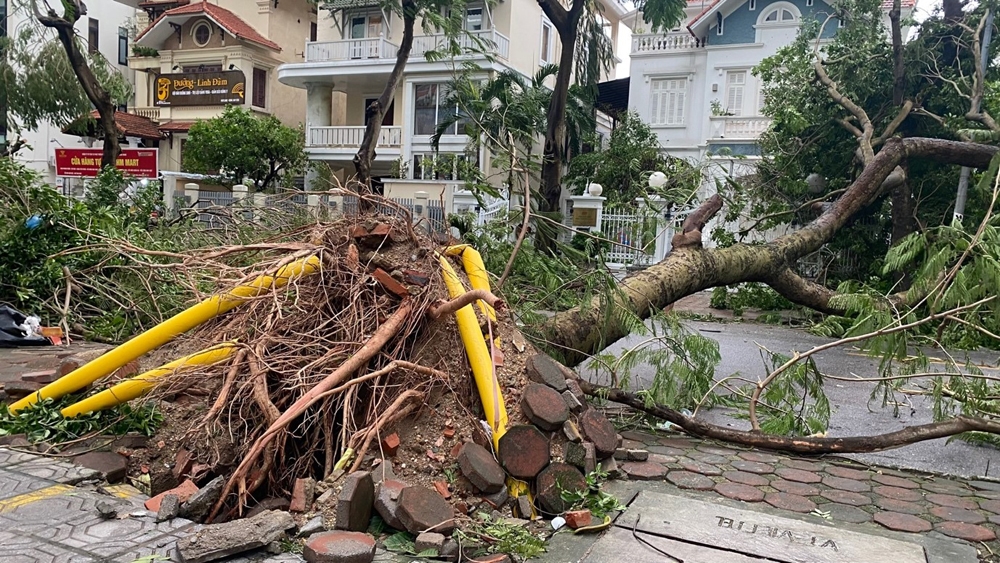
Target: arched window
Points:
(779, 13)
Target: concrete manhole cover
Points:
(701, 532)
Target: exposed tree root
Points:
(801, 445)
(442, 308)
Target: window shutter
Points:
(668, 97)
(734, 96)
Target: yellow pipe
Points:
(472, 261)
(140, 384)
(479, 356)
(167, 331)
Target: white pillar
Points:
(664, 233)
(191, 192)
(259, 201)
(240, 192)
(319, 101)
(587, 212)
(169, 184)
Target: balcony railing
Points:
(351, 137)
(739, 128)
(350, 50)
(150, 112)
(483, 40)
(659, 43)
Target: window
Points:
(473, 19)
(431, 108)
(669, 96)
(736, 82)
(546, 50)
(312, 31)
(779, 15)
(122, 46)
(259, 88)
(202, 33)
(753, 5)
(93, 35)
(444, 166)
(719, 22)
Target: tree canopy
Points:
(239, 146)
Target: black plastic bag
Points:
(11, 333)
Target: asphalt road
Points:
(852, 414)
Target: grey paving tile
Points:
(21, 548)
(164, 546)
(55, 470)
(13, 484)
(10, 457)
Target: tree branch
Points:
(442, 307)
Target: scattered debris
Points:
(316, 524)
(355, 501)
(553, 481)
(544, 407)
(421, 509)
(198, 505)
(112, 467)
(524, 451)
(183, 492)
(215, 541)
(577, 519)
(170, 507)
(106, 510)
(340, 547)
(387, 502)
(430, 540)
(302, 494)
(479, 467)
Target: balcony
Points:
(670, 43)
(348, 138)
(380, 49)
(484, 40)
(148, 112)
(738, 128)
(350, 50)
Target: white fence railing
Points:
(350, 49)
(658, 43)
(639, 236)
(484, 40)
(731, 127)
(351, 136)
(150, 112)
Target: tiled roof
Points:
(886, 5)
(176, 126)
(128, 124)
(342, 4)
(228, 20)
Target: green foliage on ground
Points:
(498, 535)
(42, 421)
(239, 146)
(751, 295)
(599, 503)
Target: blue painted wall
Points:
(738, 26)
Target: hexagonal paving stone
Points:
(676, 443)
(16, 548)
(752, 466)
(957, 514)
(11, 457)
(164, 546)
(57, 471)
(846, 484)
(967, 532)
(662, 459)
(688, 480)
(802, 464)
(991, 505)
(738, 491)
(946, 488)
(952, 501)
(902, 522)
(13, 484)
(639, 436)
(700, 467)
(795, 488)
(664, 450)
(846, 497)
(788, 501)
(745, 478)
(984, 485)
(644, 470)
(843, 513)
(847, 473)
(759, 457)
(893, 481)
(897, 493)
(903, 506)
(707, 458)
(717, 450)
(797, 475)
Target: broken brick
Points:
(442, 488)
(355, 502)
(523, 451)
(543, 369)
(390, 444)
(111, 465)
(357, 231)
(183, 463)
(387, 502)
(449, 433)
(577, 519)
(302, 494)
(416, 278)
(45, 376)
(184, 491)
(421, 509)
(389, 283)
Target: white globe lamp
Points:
(816, 183)
(657, 180)
(595, 189)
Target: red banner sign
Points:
(86, 163)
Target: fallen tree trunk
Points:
(689, 268)
(802, 445)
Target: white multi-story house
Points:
(694, 84)
(349, 63)
(105, 28)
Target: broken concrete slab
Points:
(355, 502)
(572, 431)
(429, 540)
(197, 507)
(387, 502)
(479, 467)
(421, 509)
(523, 451)
(544, 407)
(540, 368)
(170, 507)
(111, 466)
(339, 547)
(572, 403)
(268, 504)
(216, 541)
(551, 483)
(314, 525)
